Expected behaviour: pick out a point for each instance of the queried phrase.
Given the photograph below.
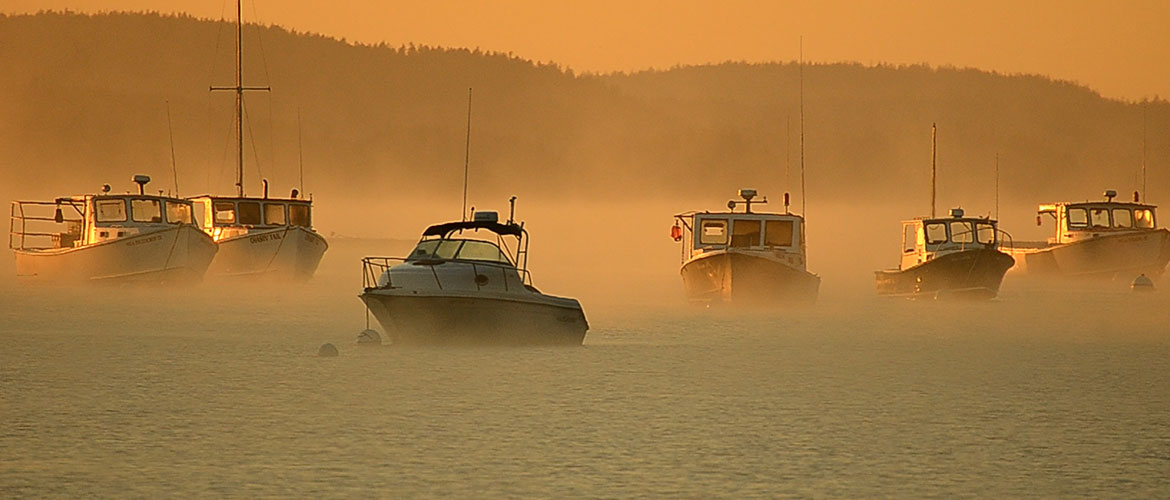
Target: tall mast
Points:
(803, 212)
(239, 89)
(933, 158)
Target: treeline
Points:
(87, 97)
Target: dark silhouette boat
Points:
(947, 257)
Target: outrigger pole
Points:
(239, 89)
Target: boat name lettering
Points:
(143, 241)
(261, 238)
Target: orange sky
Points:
(1120, 48)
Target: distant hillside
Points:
(86, 103)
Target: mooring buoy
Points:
(369, 337)
(327, 351)
(1142, 283)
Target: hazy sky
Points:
(1120, 48)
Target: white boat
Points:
(261, 237)
(110, 238)
(461, 285)
(258, 237)
(745, 258)
(1108, 240)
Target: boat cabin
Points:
(926, 238)
(1084, 220)
(89, 219)
(463, 241)
(225, 217)
(703, 232)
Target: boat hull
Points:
(176, 254)
(410, 318)
(973, 274)
(1109, 257)
(287, 253)
(742, 278)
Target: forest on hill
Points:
(86, 102)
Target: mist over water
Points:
(215, 390)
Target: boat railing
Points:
(20, 233)
(373, 268)
(1002, 236)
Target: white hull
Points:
(179, 253)
(1118, 256)
(464, 317)
(291, 253)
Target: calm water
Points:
(204, 393)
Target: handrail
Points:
(374, 267)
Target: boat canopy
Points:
(1089, 219)
(926, 238)
(446, 229)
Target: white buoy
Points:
(327, 351)
(1142, 283)
(369, 337)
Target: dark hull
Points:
(731, 277)
(446, 320)
(970, 274)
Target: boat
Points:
(258, 237)
(957, 257)
(462, 285)
(745, 258)
(1098, 240)
(109, 237)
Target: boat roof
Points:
(738, 214)
(925, 219)
(495, 227)
(1051, 207)
(249, 198)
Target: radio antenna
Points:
(466, 157)
(803, 211)
(171, 134)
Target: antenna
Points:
(997, 185)
(803, 212)
(171, 133)
(239, 89)
(933, 158)
(787, 147)
(466, 157)
(300, 152)
(1144, 193)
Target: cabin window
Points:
(424, 249)
(1122, 217)
(909, 237)
(1078, 218)
(1099, 217)
(249, 212)
(745, 233)
(778, 233)
(482, 250)
(447, 248)
(145, 211)
(1143, 218)
(936, 233)
(714, 232)
(298, 215)
(200, 212)
(178, 213)
(274, 214)
(111, 210)
(225, 212)
(984, 233)
(961, 232)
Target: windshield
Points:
(459, 249)
(145, 211)
(111, 210)
(178, 213)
